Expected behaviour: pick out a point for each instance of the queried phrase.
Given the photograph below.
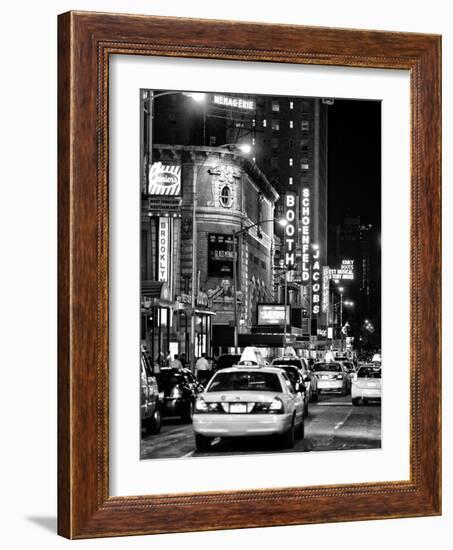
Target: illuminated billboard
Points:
(273, 314)
(345, 272)
(164, 179)
(220, 255)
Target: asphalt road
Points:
(332, 424)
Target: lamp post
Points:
(235, 313)
(148, 97)
(285, 300)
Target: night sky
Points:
(354, 161)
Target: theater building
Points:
(197, 196)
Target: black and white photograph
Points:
(260, 251)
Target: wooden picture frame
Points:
(85, 41)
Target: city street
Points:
(333, 423)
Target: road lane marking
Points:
(190, 453)
(333, 404)
(339, 424)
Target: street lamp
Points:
(281, 222)
(245, 148)
(149, 98)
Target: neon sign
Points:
(305, 272)
(237, 102)
(290, 230)
(316, 285)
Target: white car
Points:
(249, 401)
(332, 376)
(366, 384)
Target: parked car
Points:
(150, 406)
(178, 392)
(366, 384)
(248, 401)
(332, 376)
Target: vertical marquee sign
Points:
(316, 282)
(290, 230)
(325, 289)
(305, 273)
(163, 252)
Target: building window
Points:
(290, 143)
(226, 197)
(212, 141)
(171, 118)
(275, 106)
(291, 104)
(253, 122)
(290, 181)
(253, 141)
(274, 162)
(290, 161)
(291, 123)
(304, 126)
(304, 166)
(264, 123)
(275, 143)
(305, 106)
(275, 125)
(304, 145)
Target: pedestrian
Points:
(176, 363)
(202, 369)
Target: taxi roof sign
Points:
(252, 357)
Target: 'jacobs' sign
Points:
(316, 281)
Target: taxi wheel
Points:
(289, 437)
(300, 431)
(355, 401)
(154, 423)
(202, 443)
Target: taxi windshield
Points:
(369, 372)
(245, 381)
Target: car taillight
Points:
(215, 408)
(276, 406)
(200, 406)
(339, 377)
(176, 392)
